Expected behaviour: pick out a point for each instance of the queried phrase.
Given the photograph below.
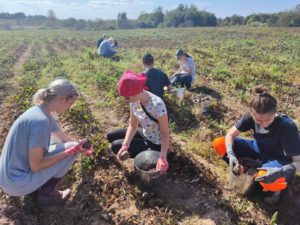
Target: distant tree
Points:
(122, 21)
(51, 19)
(227, 21)
(19, 15)
(295, 22)
(80, 24)
(189, 16)
(150, 20)
(70, 22)
(144, 21)
(272, 21)
(157, 16)
(236, 20)
(51, 15)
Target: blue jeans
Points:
(248, 148)
(182, 80)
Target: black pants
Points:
(182, 80)
(137, 145)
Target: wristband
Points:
(125, 145)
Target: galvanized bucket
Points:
(145, 167)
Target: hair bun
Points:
(260, 89)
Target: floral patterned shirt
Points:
(156, 108)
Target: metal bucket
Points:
(145, 167)
(203, 102)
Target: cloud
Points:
(83, 9)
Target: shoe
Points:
(53, 198)
(273, 198)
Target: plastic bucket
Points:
(178, 92)
(145, 167)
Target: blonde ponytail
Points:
(59, 87)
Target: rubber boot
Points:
(273, 198)
(48, 195)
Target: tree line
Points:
(182, 16)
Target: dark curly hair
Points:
(263, 102)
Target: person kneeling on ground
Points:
(101, 40)
(150, 111)
(156, 78)
(186, 74)
(106, 48)
(28, 164)
(276, 142)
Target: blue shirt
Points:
(31, 130)
(105, 49)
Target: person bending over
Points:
(28, 164)
(150, 112)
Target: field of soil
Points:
(195, 189)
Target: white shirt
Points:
(156, 108)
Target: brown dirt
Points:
(111, 193)
(8, 114)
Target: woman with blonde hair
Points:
(106, 48)
(28, 164)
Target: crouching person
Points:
(150, 112)
(276, 144)
(28, 164)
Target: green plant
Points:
(274, 218)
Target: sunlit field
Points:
(229, 62)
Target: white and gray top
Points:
(156, 108)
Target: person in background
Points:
(104, 36)
(276, 142)
(157, 80)
(106, 48)
(186, 74)
(150, 112)
(28, 164)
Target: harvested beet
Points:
(86, 144)
(124, 155)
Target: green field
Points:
(229, 62)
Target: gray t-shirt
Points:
(184, 66)
(31, 130)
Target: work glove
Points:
(84, 147)
(274, 174)
(233, 161)
(162, 165)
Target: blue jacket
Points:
(105, 49)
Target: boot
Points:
(48, 195)
(273, 198)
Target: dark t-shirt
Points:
(280, 139)
(156, 81)
(99, 42)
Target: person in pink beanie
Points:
(150, 112)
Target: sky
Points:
(109, 9)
